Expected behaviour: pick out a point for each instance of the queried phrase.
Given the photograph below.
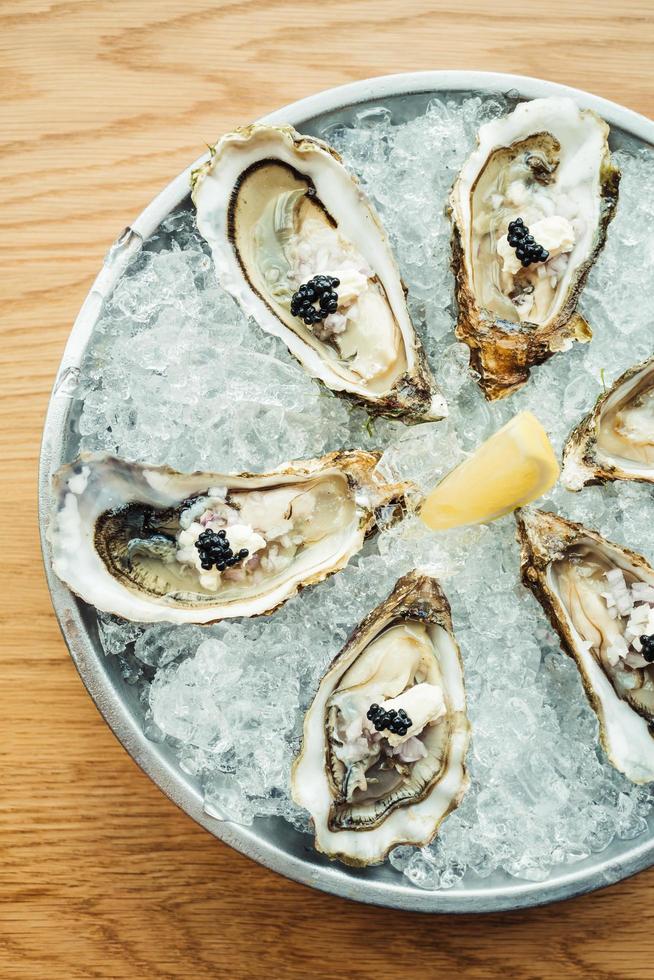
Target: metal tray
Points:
(270, 841)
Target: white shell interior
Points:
(582, 137)
(628, 740)
(413, 823)
(99, 485)
(342, 198)
(615, 449)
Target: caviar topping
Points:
(396, 722)
(526, 247)
(213, 549)
(647, 643)
(320, 290)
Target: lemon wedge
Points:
(513, 467)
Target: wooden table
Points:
(104, 101)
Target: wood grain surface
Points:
(102, 102)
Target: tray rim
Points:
(334, 879)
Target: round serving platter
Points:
(273, 842)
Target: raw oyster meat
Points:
(150, 544)
(599, 598)
(547, 164)
(383, 755)
(616, 440)
(279, 209)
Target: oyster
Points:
(150, 544)
(548, 164)
(599, 598)
(616, 440)
(279, 209)
(383, 754)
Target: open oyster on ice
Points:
(546, 171)
(616, 440)
(599, 598)
(383, 754)
(299, 246)
(150, 544)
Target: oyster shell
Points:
(616, 440)
(125, 536)
(548, 163)
(278, 209)
(599, 598)
(366, 790)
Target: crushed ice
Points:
(176, 374)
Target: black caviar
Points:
(526, 247)
(397, 722)
(647, 643)
(213, 548)
(321, 290)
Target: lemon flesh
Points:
(513, 467)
